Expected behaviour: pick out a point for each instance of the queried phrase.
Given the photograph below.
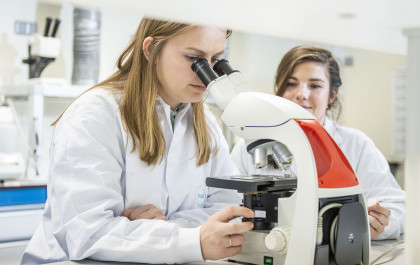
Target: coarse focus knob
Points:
(278, 239)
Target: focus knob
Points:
(278, 239)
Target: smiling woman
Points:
(310, 77)
(309, 87)
(130, 156)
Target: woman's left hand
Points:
(378, 219)
(148, 211)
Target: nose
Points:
(302, 92)
(210, 60)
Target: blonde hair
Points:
(137, 79)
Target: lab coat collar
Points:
(167, 109)
(331, 127)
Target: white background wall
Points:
(116, 31)
(13, 47)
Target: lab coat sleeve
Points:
(217, 199)
(87, 195)
(378, 183)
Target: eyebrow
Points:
(202, 52)
(312, 79)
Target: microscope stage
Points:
(253, 183)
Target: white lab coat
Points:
(93, 177)
(370, 166)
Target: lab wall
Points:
(116, 30)
(368, 92)
(13, 48)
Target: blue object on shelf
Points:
(22, 195)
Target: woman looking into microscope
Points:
(130, 156)
(310, 77)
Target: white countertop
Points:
(393, 257)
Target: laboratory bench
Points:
(21, 209)
(10, 254)
(395, 256)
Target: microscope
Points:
(316, 217)
(43, 49)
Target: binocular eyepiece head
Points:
(222, 67)
(202, 68)
(206, 74)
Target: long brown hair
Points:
(137, 79)
(302, 54)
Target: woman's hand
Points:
(148, 211)
(219, 238)
(378, 219)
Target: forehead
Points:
(205, 38)
(310, 70)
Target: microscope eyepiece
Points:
(202, 68)
(222, 67)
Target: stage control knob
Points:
(278, 239)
